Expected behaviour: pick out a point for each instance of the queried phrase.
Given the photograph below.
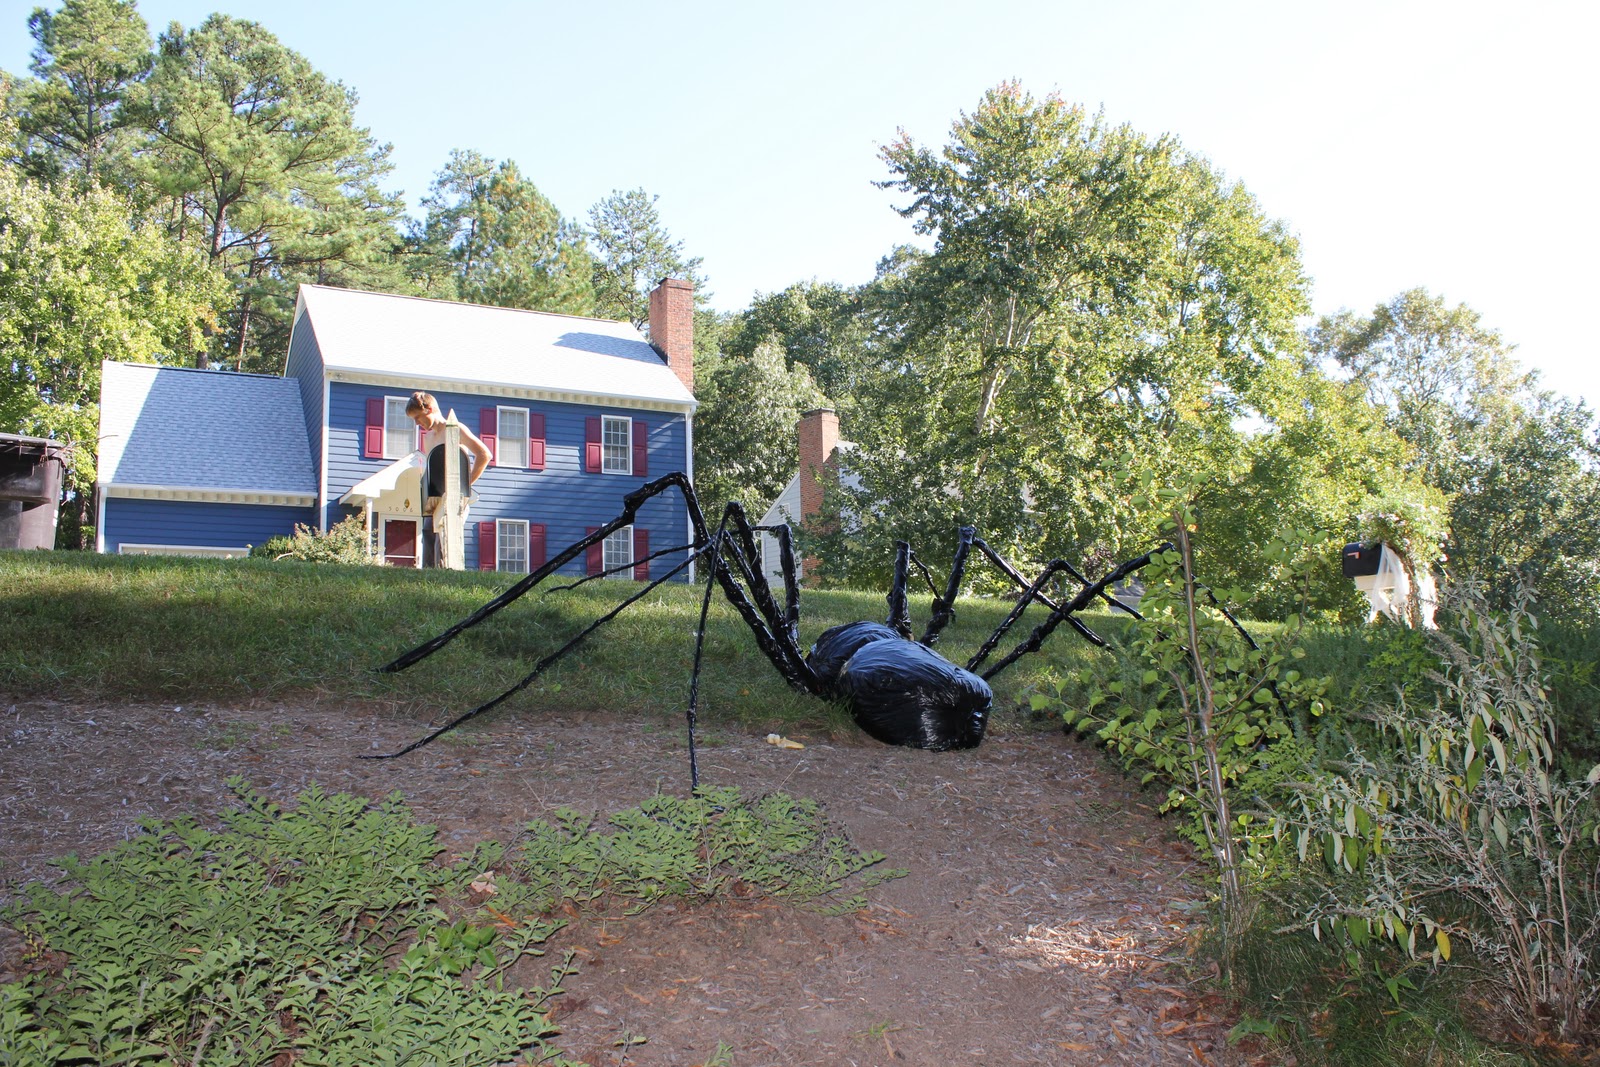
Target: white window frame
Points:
(393, 431)
(617, 551)
(501, 561)
(126, 548)
(501, 438)
(608, 424)
(380, 548)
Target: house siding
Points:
(193, 523)
(304, 365)
(561, 497)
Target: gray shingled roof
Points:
(194, 429)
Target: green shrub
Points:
(345, 542)
(1465, 831)
(266, 940)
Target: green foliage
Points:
(80, 284)
(256, 158)
(699, 847)
(326, 934)
(633, 253)
(1520, 467)
(490, 237)
(268, 938)
(744, 434)
(86, 56)
(1465, 830)
(344, 542)
(1213, 718)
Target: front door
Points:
(400, 542)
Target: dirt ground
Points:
(1043, 901)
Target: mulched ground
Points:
(1044, 902)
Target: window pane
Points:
(511, 449)
(619, 552)
(512, 538)
(399, 432)
(617, 446)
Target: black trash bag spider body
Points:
(896, 687)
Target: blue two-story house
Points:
(576, 412)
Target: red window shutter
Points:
(488, 420)
(597, 553)
(422, 439)
(641, 549)
(591, 445)
(488, 547)
(536, 551)
(535, 441)
(641, 447)
(372, 440)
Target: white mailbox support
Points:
(449, 520)
(1389, 591)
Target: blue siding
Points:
(183, 522)
(304, 365)
(562, 497)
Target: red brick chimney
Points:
(672, 326)
(819, 440)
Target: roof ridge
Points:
(464, 303)
(197, 370)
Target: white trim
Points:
(688, 470)
(527, 435)
(627, 449)
(208, 496)
(527, 544)
(99, 516)
(322, 469)
(504, 390)
(127, 548)
(410, 430)
(384, 519)
(606, 565)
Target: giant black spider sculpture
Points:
(897, 688)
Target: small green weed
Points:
(697, 847)
(268, 938)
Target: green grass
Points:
(87, 626)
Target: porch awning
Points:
(397, 488)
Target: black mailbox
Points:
(1361, 561)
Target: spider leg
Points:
(542, 665)
(791, 587)
(1064, 612)
(944, 607)
(899, 610)
(630, 507)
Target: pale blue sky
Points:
(1442, 144)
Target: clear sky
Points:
(1443, 144)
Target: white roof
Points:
(472, 344)
(407, 468)
(179, 428)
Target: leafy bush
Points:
(345, 542)
(1465, 830)
(1214, 717)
